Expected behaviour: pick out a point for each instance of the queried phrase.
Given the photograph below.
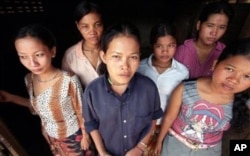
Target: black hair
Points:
(218, 7)
(39, 32)
(85, 7)
(159, 30)
(126, 29)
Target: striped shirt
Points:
(59, 106)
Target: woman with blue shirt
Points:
(121, 106)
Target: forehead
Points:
(29, 44)
(91, 17)
(240, 62)
(124, 44)
(166, 39)
(218, 18)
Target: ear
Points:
(77, 25)
(198, 25)
(214, 64)
(103, 56)
(53, 51)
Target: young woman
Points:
(199, 53)
(121, 106)
(200, 110)
(161, 67)
(55, 95)
(83, 57)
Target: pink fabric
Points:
(74, 61)
(187, 55)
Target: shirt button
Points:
(125, 136)
(124, 121)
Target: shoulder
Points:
(72, 50)
(220, 46)
(143, 80)
(143, 65)
(28, 78)
(189, 43)
(70, 76)
(96, 83)
(180, 67)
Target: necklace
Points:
(50, 79)
(111, 83)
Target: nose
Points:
(235, 78)
(33, 62)
(125, 64)
(214, 31)
(92, 30)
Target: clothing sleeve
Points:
(88, 112)
(158, 112)
(66, 62)
(75, 92)
(180, 53)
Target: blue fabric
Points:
(121, 120)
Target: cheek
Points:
(221, 33)
(135, 64)
(82, 33)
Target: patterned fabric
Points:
(199, 120)
(70, 146)
(59, 106)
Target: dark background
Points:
(57, 16)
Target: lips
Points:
(211, 39)
(93, 38)
(36, 70)
(227, 87)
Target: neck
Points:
(116, 84)
(89, 47)
(48, 76)
(201, 45)
(161, 64)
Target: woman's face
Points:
(164, 49)
(231, 75)
(91, 28)
(212, 29)
(122, 59)
(34, 55)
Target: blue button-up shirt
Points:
(121, 120)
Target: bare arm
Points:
(99, 143)
(8, 97)
(170, 115)
(140, 148)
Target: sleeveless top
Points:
(59, 106)
(199, 120)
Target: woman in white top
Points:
(161, 67)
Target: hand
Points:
(157, 149)
(134, 152)
(85, 142)
(5, 96)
